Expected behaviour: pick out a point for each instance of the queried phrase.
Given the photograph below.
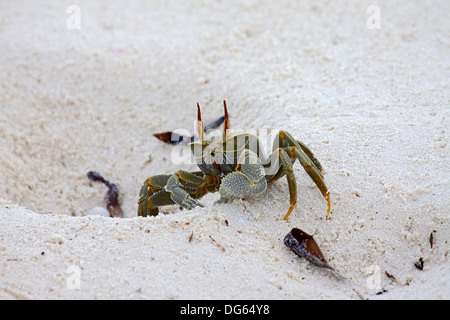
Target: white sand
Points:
(372, 104)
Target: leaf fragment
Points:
(306, 247)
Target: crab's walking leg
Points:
(181, 188)
(307, 163)
(286, 140)
(152, 195)
(286, 165)
(310, 155)
(278, 164)
(315, 175)
(300, 151)
(177, 190)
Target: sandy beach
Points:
(85, 85)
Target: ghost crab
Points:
(235, 166)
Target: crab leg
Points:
(185, 187)
(288, 169)
(190, 177)
(151, 191)
(286, 140)
(197, 184)
(305, 156)
(179, 195)
(315, 175)
(281, 161)
(182, 188)
(310, 155)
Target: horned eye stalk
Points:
(199, 128)
(226, 120)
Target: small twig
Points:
(112, 195)
(217, 244)
(390, 276)
(431, 239)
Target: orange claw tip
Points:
(289, 212)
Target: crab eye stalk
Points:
(199, 129)
(226, 121)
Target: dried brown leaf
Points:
(306, 247)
